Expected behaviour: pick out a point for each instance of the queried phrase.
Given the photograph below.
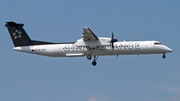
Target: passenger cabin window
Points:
(157, 43)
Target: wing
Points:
(88, 35)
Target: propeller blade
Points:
(112, 41)
(113, 45)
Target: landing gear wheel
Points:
(94, 63)
(89, 57)
(164, 56)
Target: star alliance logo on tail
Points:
(17, 34)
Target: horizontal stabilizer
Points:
(13, 24)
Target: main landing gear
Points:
(94, 63)
(164, 56)
(89, 57)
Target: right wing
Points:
(88, 35)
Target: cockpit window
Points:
(157, 43)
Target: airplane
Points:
(89, 45)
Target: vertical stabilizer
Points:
(18, 34)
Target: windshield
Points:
(157, 43)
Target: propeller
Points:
(113, 40)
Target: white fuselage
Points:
(89, 45)
(75, 50)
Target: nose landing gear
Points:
(164, 56)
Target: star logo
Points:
(17, 34)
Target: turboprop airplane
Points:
(89, 45)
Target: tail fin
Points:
(18, 34)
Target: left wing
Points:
(88, 35)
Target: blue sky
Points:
(27, 77)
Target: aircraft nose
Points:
(167, 49)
